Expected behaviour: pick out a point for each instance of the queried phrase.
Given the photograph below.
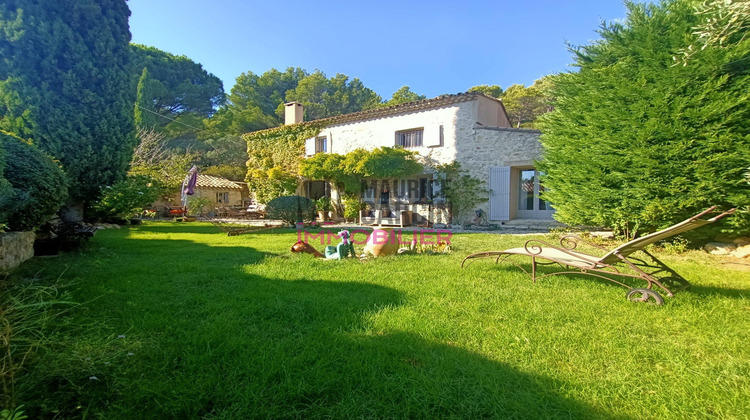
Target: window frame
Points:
(222, 197)
(321, 140)
(401, 137)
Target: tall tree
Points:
(144, 115)
(257, 102)
(179, 85)
(402, 96)
(525, 104)
(494, 91)
(64, 82)
(253, 101)
(323, 97)
(636, 141)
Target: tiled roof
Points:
(401, 108)
(208, 181)
(405, 108)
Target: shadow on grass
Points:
(205, 228)
(705, 291)
(225, 342)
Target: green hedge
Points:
(36, 186)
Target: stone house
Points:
(470, 128)
(219, 192)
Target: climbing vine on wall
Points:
(352, 168)
(274, 157)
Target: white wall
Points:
(456, 120)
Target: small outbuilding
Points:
(220, 191)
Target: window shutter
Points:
(310, 147)
(431, 136)
(500, 193)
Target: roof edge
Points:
(406, 107)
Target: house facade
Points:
(469, 128)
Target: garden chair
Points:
(618, 262)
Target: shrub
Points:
(352, 206)
(38, 187)
(291, 209)
(127, 198)
(461, 191)
(197, 205)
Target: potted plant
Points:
(323, 206)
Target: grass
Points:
(181, 321)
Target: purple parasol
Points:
(188, 185)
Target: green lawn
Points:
(181, 321)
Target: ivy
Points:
(350, 169)
(274, 157)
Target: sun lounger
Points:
(618, 263)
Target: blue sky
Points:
(435, 47)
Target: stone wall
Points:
(15, 248)
(494, 147)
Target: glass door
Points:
(530, 205)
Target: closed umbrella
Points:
(188, 185)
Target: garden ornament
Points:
(343, 249)
(382, 241)
(301, 246)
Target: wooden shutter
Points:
(310, 147)
(431, 136)
(500, 193)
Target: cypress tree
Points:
(144, 119)
(639, 139)
(64, 84)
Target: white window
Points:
(321, 145)
(409, 138)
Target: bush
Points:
(197, 205)
(291, 209)
(38, 187)
(352, 206)
(127, 198)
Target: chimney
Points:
(292, 113)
